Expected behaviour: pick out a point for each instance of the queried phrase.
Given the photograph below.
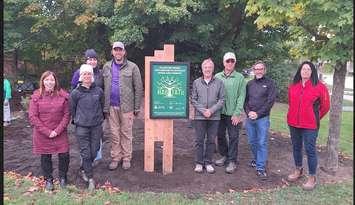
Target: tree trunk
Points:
(335, 116)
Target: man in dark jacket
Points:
(260, 97)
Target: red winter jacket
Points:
(307, 105)
(49, 113)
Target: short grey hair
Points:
(206, 61)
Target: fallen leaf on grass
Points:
(254, 189)
(285, 182)
(231, 190)
(109, 188)
(107, 203)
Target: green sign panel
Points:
(169, 90)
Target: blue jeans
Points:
(205, 129)
(230, 149)
(308, 137)
(258, 131)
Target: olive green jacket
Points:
(131, 87)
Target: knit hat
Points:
(90, 53)
(86, 68)
(229, 55)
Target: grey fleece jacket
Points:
(207, 96)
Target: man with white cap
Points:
(234, 84)
(86, 108)
(123, 94)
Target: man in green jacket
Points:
(123, 94)
(234, 84)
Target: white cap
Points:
(118, 44)
(229, 55)
(84, 68)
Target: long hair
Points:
(41, 83)
(314, 76)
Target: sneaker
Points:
(231, 167)
(126, 164)
(298, 173)
(198, 168)
(5, 124)
(210, 169)
(49, 187)
(91, 186)
(63, 183)
(261, 174)
(310, 183)
(83, 175)
(252, 163)
(220, 162)
(113, 165)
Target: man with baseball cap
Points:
(234, 84)
(123, 95)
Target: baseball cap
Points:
(118, 44)
(229, 55)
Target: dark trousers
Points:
(89, 143)
(47, 168)
(228, 148)
(308, 137)
(205, 130)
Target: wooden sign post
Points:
(157, 129)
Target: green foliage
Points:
(282, 74)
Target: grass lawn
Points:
(278, 123)
(21, 191)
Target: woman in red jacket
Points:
(49, 116)
(308, 103)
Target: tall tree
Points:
(318, 29)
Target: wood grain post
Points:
(156, 130)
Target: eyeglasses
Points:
(118, 49)
(230, 61)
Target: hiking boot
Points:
(83, 175)
(209, 169)
(261, 174)
(63, 182)
(220, 162)
(126, 164)
(198, 168)
(231, 167)
(113, 165)
(252, 163)
(49, 187)
(295, 175)
(310, 183)
(6, 123)
(91, 186)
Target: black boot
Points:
(91, 186)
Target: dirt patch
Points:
(18, 157)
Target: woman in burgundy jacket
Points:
(49, 116)
(308, 103)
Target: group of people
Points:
(219, 101)
(113, 95)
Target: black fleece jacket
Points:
(86, 105)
